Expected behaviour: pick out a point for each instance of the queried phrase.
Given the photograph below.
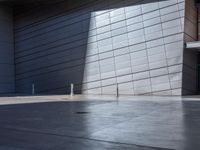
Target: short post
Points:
(33, 89)
(117, 91)
(72, 89)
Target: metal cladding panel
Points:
(7, 75)
(98, 45)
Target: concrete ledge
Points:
(60, 98)
(193, 45)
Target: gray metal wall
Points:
(97, 44)
(7, 76)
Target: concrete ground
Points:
(99, 123)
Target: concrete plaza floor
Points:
(99, 123)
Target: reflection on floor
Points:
(97, 123)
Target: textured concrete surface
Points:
(90, 123)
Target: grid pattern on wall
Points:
(99, 44)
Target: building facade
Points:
(7, 74)
(135, 46)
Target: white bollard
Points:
(72, 89)
(33, 89)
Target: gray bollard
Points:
(72, 89)
(33, 89)
(117, 91)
